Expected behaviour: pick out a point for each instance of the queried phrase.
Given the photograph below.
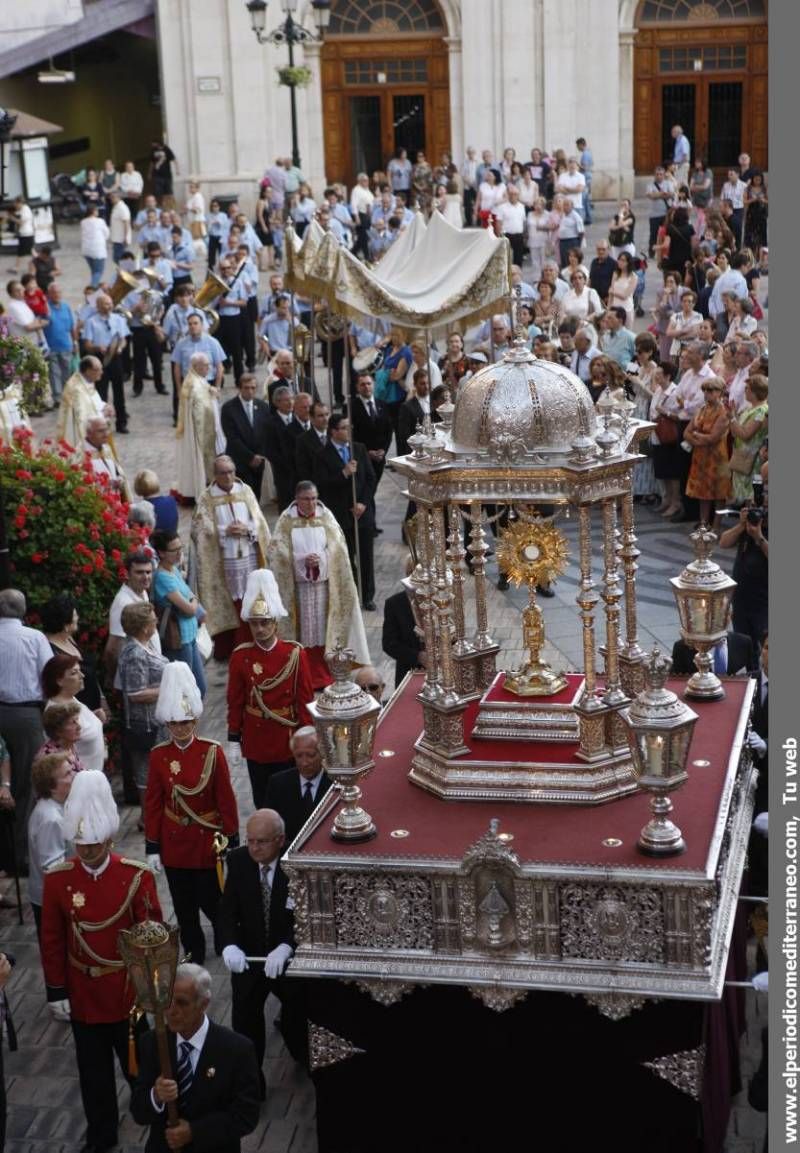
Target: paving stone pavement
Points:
(45, 1114)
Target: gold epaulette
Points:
(208, 741)
(134, 863)
(61, 867)
(161, 745)
(245, 645)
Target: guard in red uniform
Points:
(269, 687)
(189, 801)
(88, 899)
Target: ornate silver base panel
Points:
(491, 922)
(527, 718)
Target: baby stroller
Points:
(67, 203)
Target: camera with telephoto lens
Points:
(755, 515)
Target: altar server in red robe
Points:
(189, 802)
(87, 900)
(269, 688)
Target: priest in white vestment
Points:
(103, 458)
(81, 401)
(230, 538)
(199, 433)
(308, 555)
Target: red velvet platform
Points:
(546, 833)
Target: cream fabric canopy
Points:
(433, 276)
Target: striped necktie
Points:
(185, 1076)
(266, 899)
(308, 798)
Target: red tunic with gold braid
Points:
(189, 799)
(82, 915)
(268, 691)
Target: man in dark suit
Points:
(310, 443)
(280, 446)
(214, 1082)
(372, 424)
(732, 657)
(294, 793)
(413, 411)
(254, 921)
(244, 421)
(400, 640)
(334, 470)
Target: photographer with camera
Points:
(750, 537)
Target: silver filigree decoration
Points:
(612, 922)
(497, 997)
(385, 992)
(383, 911)
(615, 1006)
(326, 1048)
(683, 1070)
(489, 849)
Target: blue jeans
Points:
(96, 267)
(59, 365)
(117, 249)
(190, 656)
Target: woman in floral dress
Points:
(709, 473)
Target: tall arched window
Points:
(384, 18)
(700, 11)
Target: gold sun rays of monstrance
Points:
(533, 553)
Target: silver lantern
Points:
(345, 717)
(659, 728)
(703, 595)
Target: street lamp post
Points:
(289, 33)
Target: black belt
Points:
(23, 704)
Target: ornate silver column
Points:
(590, 708)
(442, 602)
(461, 645)
(632, 657)
(478, 549)
(611, 594)
(422, 579)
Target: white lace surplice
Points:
(312, 595)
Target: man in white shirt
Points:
(572, 183)
(25, 653)
(570, 231)
(734, 189)
(661, 194)
(584, 353)
(681, 154)
(94, 238)
(731, 281)
(22, 322)
(119, 226)
(746, 354)
(511, 214)
(135, 590)
(687, 398)
(361, 200)
(23, 216)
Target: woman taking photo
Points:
(620, 235)
(139, 672)
(453, 365)
(749, 430)
(396, 363)
(51, 778)
(707, 432)
(263, 230)
(668, 302)
(623, 286)
(178, 608)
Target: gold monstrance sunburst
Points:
(534, 553)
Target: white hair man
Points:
(97, 445)
(81, 400)
(230, 537)
(256, 920)
(199, 432)
(88, 899)
(294, 792)
(308, 555)
(214, 1087)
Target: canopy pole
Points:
(356, 538)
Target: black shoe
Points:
(378, 531)
(147, 376)
(545, 591)
(123, 431)
(369, 607)
(640, 311)
(138, 389)
(502, 583)
(161, 391)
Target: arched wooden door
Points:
(385, 85)
(702, 65)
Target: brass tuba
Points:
(126, 282)
(210, 290)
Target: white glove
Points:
(277, 960)
(756, 743)
(761, 824)
(234, 959)
(154, 862)
(59, 1009)
(761, 982)
(233, 753)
